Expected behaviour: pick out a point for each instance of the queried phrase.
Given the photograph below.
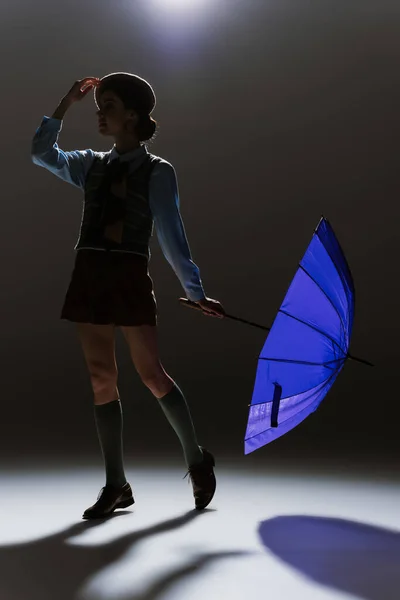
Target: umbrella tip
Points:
(321, 220)
(360, 360)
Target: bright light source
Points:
(181, 24)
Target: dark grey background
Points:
(272, 113)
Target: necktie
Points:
(113, 207)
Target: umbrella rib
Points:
(342, 277)
(343, 257)
(325, 294)
(312, 327)
(303, 362)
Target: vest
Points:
(133, 231)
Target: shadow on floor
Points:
(49, 568)
(353, 557)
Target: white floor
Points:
(266, 535)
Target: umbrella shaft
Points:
(360, 360)
(194, 305)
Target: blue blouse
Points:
(73, 167)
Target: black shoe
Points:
(108, 500)
(203, 480)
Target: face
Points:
(112, 115)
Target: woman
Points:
(127, 191)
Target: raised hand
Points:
(80, 88)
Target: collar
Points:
(128, 156)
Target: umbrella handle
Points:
(191, 304)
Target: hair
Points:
(136, 94)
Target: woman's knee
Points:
(104, 386)
(157, 381)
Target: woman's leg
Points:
(143, 346)
(98, 345)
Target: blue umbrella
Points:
(307, 344)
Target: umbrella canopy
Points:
(308, 343)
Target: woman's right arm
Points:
(73, 166)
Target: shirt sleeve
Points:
(72, 167)
(164, 204)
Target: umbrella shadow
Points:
(344, 555)
(51, 568)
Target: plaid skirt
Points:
(110, 288)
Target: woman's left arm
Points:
(164, 204)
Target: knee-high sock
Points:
(109, 423)
(177, 412)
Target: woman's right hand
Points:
(80, 88)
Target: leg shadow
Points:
(50, 568)
(163, 584)
(357, 558)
